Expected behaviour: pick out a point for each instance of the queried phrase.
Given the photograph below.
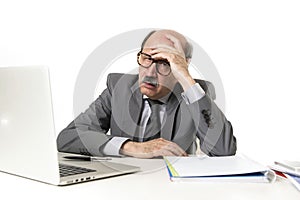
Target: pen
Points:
(86, 158)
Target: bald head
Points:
(159, 37)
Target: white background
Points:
(255, 46)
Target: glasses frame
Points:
(153, 61)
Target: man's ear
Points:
(188, 60)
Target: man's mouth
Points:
(150, 82)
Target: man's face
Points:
(153, 84)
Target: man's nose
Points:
(151, 71)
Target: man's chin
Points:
(149, 92)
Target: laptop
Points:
(27, 134)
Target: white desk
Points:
(151, 183)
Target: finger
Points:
(170, 55)
(164, 152)
(162, 147)
(178, 151)
(166, 50)
(162, 55)
(172, 58)
(172, 147)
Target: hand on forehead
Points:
(164, 42)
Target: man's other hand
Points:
(152, 148)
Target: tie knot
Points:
(154, 102)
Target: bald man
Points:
(159, 112)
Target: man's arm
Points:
(87, 133)
(213, 129)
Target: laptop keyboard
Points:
(68, 170)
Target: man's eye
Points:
(147, 61)
(144, 57)
(163, 62)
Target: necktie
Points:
(153, 126)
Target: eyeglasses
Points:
(162, 65)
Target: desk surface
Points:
(152, 182)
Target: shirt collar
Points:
(163, 99)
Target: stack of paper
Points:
(291, 170)
(228, 168)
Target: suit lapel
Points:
(135, 103)
(132, 113)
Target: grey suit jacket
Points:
(119, 107)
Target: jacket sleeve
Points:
(213, 129)
(87, 133)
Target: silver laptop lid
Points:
(27, 136)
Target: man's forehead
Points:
(156, 40)
(160, 38)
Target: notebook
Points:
(289, 170)
(217, 169)
(27, 137)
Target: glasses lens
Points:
(163, 67)
(144, 60)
